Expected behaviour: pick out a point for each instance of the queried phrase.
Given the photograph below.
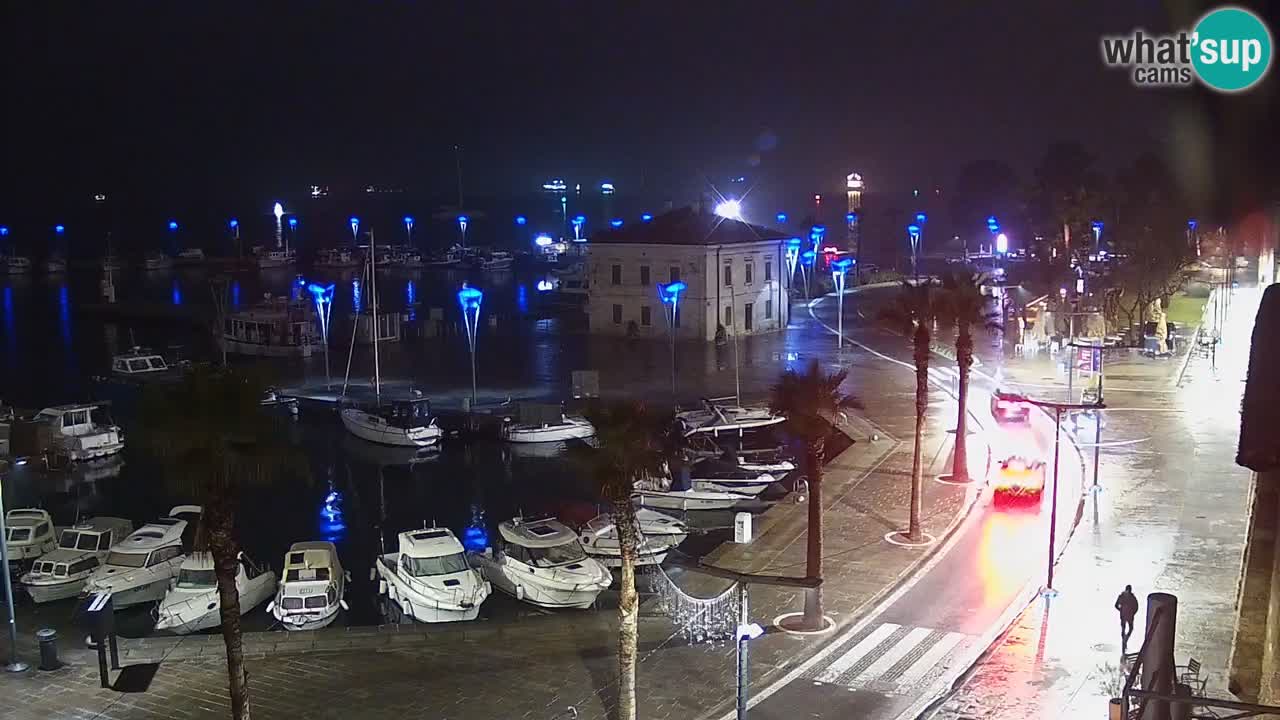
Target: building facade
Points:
(735, 273)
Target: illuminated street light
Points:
(839, 268)
(1002, 243)
(59, 229)
(173, 225)
(913, 231)
(669, 294)
(780, 217)
(522, 220)
(469, 300)
(729, 209)
(793, 258)
(322, 296)
(4, 229)
(616, 222)
(646, 217)
(462, 226)
(543, 240)
(355, 229)
(578, 222)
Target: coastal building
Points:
(735, 273)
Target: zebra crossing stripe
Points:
(921, 667)
(851, 656)
(894, 654)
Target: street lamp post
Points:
(293, 234)
(469, 300)
(578, 222)
(323, 297)
(408, 230)
(838, 270)
(807, 259)
(913, 232)
(463, 220)
(14, 666)
(669, 294)
(234, 224)
(355, 229)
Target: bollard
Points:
(1158, 664)
(48, 639)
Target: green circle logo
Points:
(1231, 49)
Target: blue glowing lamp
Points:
(913, 230)
(851, 218)
(793, 245)
(56, 228)
(408, 220)
(463, 220)
(293, 223)
(616, 222)
(355, 224)
(522, 220)
(173, 224)
(780, 217)
(543, 240)
(842, 265)
(921, 218)
(1191, 224)
(580, 220)
(4, 229)
(670, 293)
(322, 294)
(817, 231)
(469, 299)
(233, 224)
(1097, 226)
(807, 258)
(646, 217)
(991, 220)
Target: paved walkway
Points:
(536, 666)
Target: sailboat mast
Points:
(373, 291)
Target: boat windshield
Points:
(19, 533)
(68, 539)
(73, 540)
(443, 565)
(190, 578)
(558, 554)
(123, 559)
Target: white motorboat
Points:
(29, 533)
(566, 427)
(138, 569)
(142, 365)
(495, 261)
(55, 265)
(337, 258)
(658, 534)
(275, 258)
(78, 432)
(430, 578)
(15, 265)
(542, 563)
(719, 419)
(61, 574)
(191, 603)
(715, 474)
(770, 456)
(411, 260)
(190, 257)
(692, 499)
(273, 399)
(313, 587)
(153, 261)
(403, 423)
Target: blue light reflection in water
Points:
(356, 303)
(177, 293)
(411, 299)
(522, 299)
(332, 525)
(64, 316)
(235, 294)
(10, 328)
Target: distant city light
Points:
(521, 220)
(173, 224)
(233, 224)
(853, 181)
(56, 228)
(555, 185)
(1002, 243)
(817, 198)
(543, 240)
(646, 217)
(780, 217)
(278, 211)
(545, 286)
(616, 222)
(731, 209)
(606, 188)
(4, 229)
(921, 218)
(293, 223)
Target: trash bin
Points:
(48, 638)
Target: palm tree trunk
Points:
(813, 611)
(964, 359)
(225, 560)
(624, 515)
(921, 356)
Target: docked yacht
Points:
(450, 258)
(78, 434)
(191, 603)
(718, 420)
(403, 423)
(138, 569)
(495, 261)
(277, 327)
(313, 587)
(190, 257)
(658, 534)
(29, 533)
(716, 474)
(430, 579)
(15, 265)
(61, 574)
(142, 365)
(541, 562)
(153, 261)
(55, 265)
(553, 425)
(680, 496)
(337, 258)
(267, 259)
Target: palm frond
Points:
(811, 400)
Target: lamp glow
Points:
(616, 222)
(173, 224)
(278, 211)
(543, 240)
(521, 220)
(730, 209)
(851, 218)
(646, 217)
(780, 217)
(545, 286)
(606, 188)
(921, 218)
(469, 300)
(1002, 243)
(293, 223)
(4, 229)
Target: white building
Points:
(736, 275)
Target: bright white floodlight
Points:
(731, 209)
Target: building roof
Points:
(691, 227)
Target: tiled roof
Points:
(687, 226)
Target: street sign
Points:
(1089, 360)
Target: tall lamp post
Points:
(851, 220)
(469, 300)
(793, 259)
(816, 235)
(323, 298)
(669, 294)
(807, 259)
(14, 666)
(463, 221)
(838, 270)
(293, 233)
(354, 222)
(913, 232)
(578, 222)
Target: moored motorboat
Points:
(61, 574)
(542, 563)
(15, 265)
(273, 399)
(430, 578)
(691, 499)
(138, 569)
(658, 534)
(29, 533)
(718, 419)
(80, 433)
(402, 423)
(190, 257)
(716, 474)
(312, 587)
(337, 258)
(153, 261)
(192, 603)
(553, 426)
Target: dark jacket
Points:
(1127, 604)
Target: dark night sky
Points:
(130, 97)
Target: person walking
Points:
(1127, 605)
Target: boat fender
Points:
(343, 604)
(373, 574)
(382, 587)
(520, 592)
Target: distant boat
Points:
(275, 258)
(276, 328)
(336, 258)
(153, 261)
(15, 265)
(55, 265)
(190, 256)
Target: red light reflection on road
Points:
(1012, 544)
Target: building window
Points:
(768, 270)
(617, 313)
(748, 271)
(768, 309)
(728, 275)
(728, 316)
(645, 316)
(675, 274)
(644, 276)
(617, 274)
(748, 317)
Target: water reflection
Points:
(10, 329)
(176, 293)
(235, 294)
(64, 317)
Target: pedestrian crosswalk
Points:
(888, 658)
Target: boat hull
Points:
(426, 609)
(240, 347)
(140, 594)
(754, 488)
(699, 500)
(360, 424)
(550, 434)
(51, 592)
(535, 591)
(310, 621)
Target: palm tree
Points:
(914, 312)
(964, 305)
(630, 441)
(211, 430)
(811, 402)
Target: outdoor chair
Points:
(1190, 676)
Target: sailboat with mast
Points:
(400, 423)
